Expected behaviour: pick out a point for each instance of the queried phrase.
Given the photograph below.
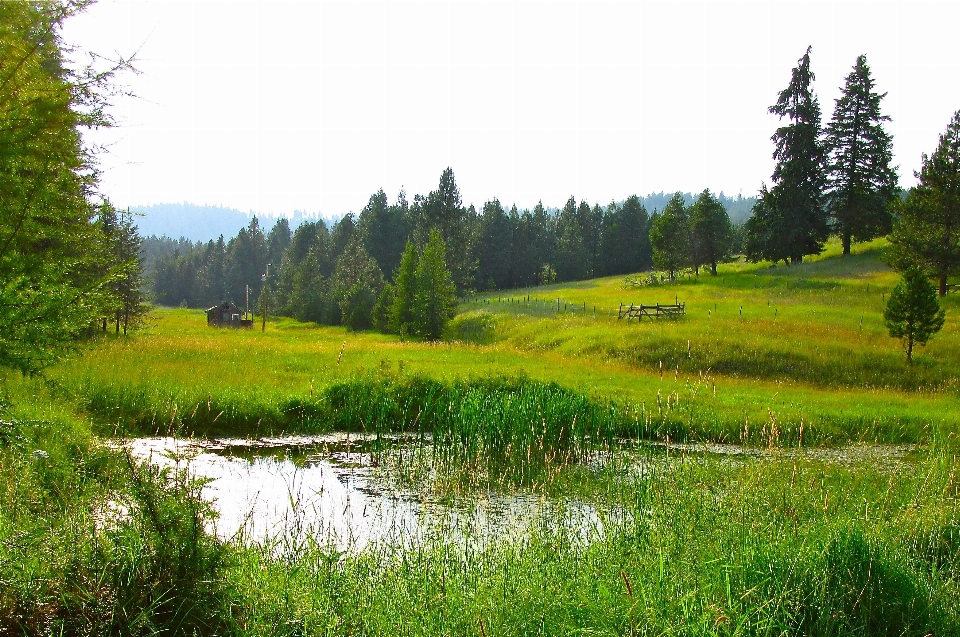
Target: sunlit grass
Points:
(796, 358)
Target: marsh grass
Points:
(92, 543)
(710, 547)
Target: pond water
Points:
(294, 491)
(297, 490)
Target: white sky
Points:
(277, 106)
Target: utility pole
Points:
(266, 291)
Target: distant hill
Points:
(739, 208)
(201, 223)
(190, 221)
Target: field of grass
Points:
(518, 398)
(808, 357)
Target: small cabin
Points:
(227, 315)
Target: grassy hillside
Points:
(802, 350)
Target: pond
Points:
(331, 490)
(325, 490)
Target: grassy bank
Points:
(706, 545)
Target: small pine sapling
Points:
(913, 313)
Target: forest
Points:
(491, 249)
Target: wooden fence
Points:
(632, 311)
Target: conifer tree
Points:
(357, 283)
(711, 230)
(860, 181)
(670, 237)
(404, 292)
(927, 230)
(795, 215)
(435, 301)
(52, 283)
(913, 313)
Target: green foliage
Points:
(670, 237)
(402, 311)
(793, 221)
(926, 232)
(913, 313)
(710, 230)
(861, 182)
(435, 301)
(357, 283)
(53, 283)
(93, 544)
(123, 255)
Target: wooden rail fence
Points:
(632, 311)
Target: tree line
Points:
(336, 274)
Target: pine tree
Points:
(913, 313)
(860, 181)
(405, 289)
(357, 283)
(796, 215)
(927, 230)
(52, 283)
(435, 301)
(711, 230)
(670, 237)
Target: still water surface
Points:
(296, 490)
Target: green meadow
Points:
(833, 511)
(790, 348)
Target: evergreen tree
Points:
(278, 240)
(634, 231)
(927, 230)
(443, 211)
(494, 248)
(128, 286)
(711, 230)
(670, 237)
(52, 283)
(245, 262)
(861, 184)
(357, 283)
(913, 313)
(384, 230)
(764, 230)
(405, 291)
(795, 213)
(435, 301)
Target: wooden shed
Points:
(227, 315)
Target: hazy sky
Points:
(273, 106)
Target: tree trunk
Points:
(713, 268)
(910, 350)
(846, 242)
(943, 284)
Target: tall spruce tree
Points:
(435, 300)
(927, 229)
(861, 183)
(711, 231)
(670, 237)
(401, 314)
(796, 216)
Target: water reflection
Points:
(297, 491)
